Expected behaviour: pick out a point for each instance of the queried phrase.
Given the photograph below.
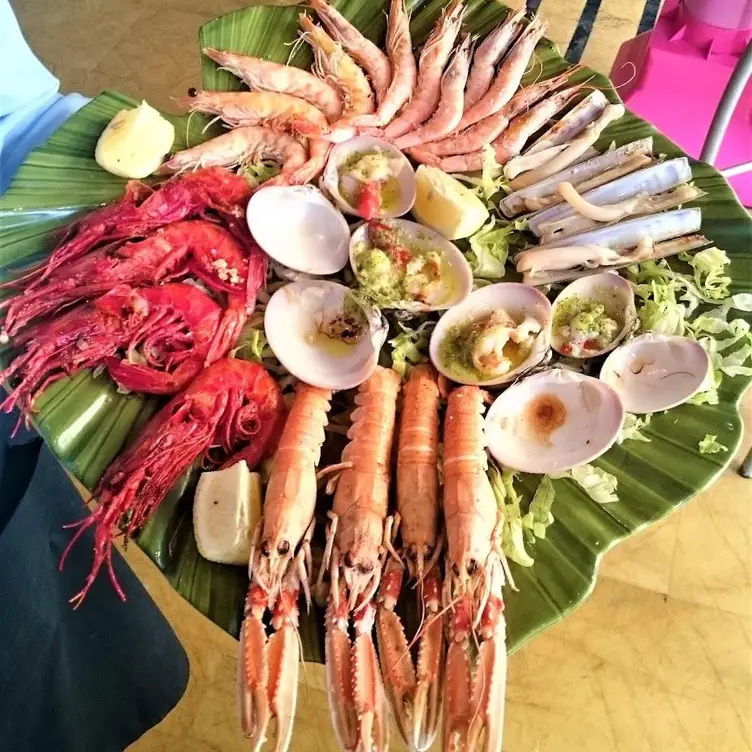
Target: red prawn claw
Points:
(234, 407)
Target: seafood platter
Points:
(353, 324)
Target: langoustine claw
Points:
(280, 566)
(169, 328)
(232, 411)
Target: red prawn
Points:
(232, 411)
(170, 328)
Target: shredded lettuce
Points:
(539, 516)
(632, 428)
(410, 346)
(709, 268)
(252, 345)
(709, 445)
(258, 173)
(489, 247)
(491, 179)
(508, 500)
(670, 298)
(599, 485)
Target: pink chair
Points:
(675, 77)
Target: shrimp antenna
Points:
(210, 124)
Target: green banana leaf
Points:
(87, 422)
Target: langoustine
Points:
(475, 575)
(415, 691)
(233, 410)
(279, 567)
(353, 558)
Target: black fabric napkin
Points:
(91, 680)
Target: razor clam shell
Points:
(514, 203)
(655, 179)
(660, 250)
(571, 124)
(625, 235)
(646, 204)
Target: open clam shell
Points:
(311, 327)
(451, 346)
(455, 277)
(299, 228)
(398, 192)
(655, 372)
(553, 421)
(616, 296)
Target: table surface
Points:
(658, 659)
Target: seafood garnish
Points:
(401, 264)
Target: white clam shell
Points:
(616, 296)
(330, 180)
(519, 301)
(291, 324)
(457, 276)
(655, 372)
(299, 228)
(589, 420)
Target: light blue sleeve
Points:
(31, 107)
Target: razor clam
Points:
(650, 181)
(636, 206)
(577, 147)
(616, 261)
(625, 235)
(572, 124)
(515, 203)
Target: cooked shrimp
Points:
(254, 143)
(333, 64)
(318, 153)
(449, 111)
(488, 54)
(488, 129)
(265, 75)
(404, 72)
(509, 144)
(273, 109)
(433, 58)
(508, 77)
(373, 61)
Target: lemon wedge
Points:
(134, 142)
(445, 205)
(226, 509)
